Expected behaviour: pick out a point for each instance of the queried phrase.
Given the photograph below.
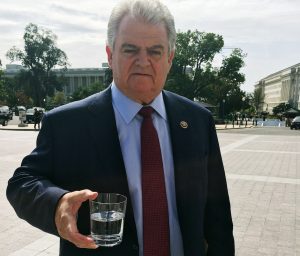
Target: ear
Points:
(170, 58)
(109, 55)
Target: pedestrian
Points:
(255, 120)
(37, 118)
(71, 163)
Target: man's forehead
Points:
(140, 30)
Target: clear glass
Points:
(107, 213)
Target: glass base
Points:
(107, 241)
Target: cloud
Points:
(73, 12)
(267, 30)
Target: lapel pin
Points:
(184, 124)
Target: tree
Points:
(83, 92)
(258, 98)
(108, 77)
(191, 70)
(58, 99)
(227, 79)
(193, 74)
(40, 56)
(281, 108)
(3, 93)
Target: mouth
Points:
(141, 74)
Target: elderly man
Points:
(178, 201)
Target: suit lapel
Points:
(189, 170)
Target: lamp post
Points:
(243, 114)
(223, 109)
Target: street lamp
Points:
(243, 110)
(223, 110)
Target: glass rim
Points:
(123, 199)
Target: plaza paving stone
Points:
(263, 175)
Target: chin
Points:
(142, 86)
(143, 96)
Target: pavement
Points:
(263, 174)
(16, 127)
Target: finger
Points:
(82, 241)
(83, 195)
(71, 233)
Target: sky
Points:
(268, 31)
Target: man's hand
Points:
(66, 218)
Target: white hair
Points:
(149, 11)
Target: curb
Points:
(30, 127)
(18, 129)
(234, 128)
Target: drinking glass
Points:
(107, 214)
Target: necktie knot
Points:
(146, 112)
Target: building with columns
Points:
(281, 87)
(81, 77)
(74, 77)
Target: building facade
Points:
(81, 77)
(74, 77)
(281, 87)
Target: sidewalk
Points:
(15, 127)
(263, 181)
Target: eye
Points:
(155, 54)
(130, 51)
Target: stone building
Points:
(74, 77)
(81, 77)
(281, 87)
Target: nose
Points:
(143, 59)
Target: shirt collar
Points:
(129, 108)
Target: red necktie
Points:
(155, 207)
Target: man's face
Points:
(140, 59)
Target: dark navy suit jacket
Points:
(78, 148)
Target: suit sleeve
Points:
(218, 222)
(30, 191)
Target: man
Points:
(71, 163)
(37, 116)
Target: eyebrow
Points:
(125, 45)
(154, 47)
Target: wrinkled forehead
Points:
(135, 31)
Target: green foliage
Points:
(56, 100)
(40, 56)
(195, 49)
(230, 69)
(84, 92)
(258, 98)
(194, 76)
(59, 99)
(3, 94)
(180, 84)
(281, 108)
(108, 77)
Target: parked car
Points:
(295, 123)
(30, 114)
(8, 111)
(5, 115)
